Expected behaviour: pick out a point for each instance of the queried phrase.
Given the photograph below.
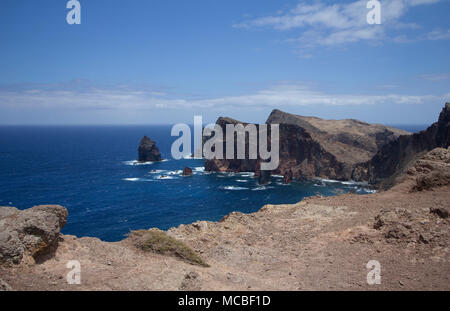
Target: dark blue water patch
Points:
(412, 128)
(91, 171)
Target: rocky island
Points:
(148, 151)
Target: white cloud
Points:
(281, 95)
(438, 34)
(322, 24)
(435, 77)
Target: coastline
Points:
(320, 243)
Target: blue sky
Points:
(164, 61)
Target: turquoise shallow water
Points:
(92, 172)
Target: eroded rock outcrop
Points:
(395, 157)
(148, 152)
(417, 226)
(29, 233)
(313, 147)
(232, 165)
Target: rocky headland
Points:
(313, 147)
(340, 149)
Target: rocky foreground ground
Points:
(320, 243)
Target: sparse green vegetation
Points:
(158, 241)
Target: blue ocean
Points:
(92, 171)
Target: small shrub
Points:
(155, 240)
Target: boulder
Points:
(29, 233)
(187, 171)
(148, 151)
(440, 211)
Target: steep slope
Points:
(396, 156)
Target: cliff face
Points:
(231, 165)
(396, 156)
(312, 147)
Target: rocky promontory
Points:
(313, 147)
(148, 151)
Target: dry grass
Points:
(158, 241)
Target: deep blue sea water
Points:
(90, 170)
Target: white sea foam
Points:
(241, 180)
(347, 182)
(131, 179)
(199, 169)
(246, 174)
(164, 177)
(233, 188)
(260, 188)
(158, 171)
(137, 179)
(366, 190)
(175, 172)
(329, 180)
(135, 162)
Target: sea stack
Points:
(264, 177)
(148, 152)
(187, 171)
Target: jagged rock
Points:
(264, 177)
(396, 224)
(396, 156)
(232, 165)
(31, 232)
(287, 178)
(400, 225)
(148, 152)
(187, 171)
